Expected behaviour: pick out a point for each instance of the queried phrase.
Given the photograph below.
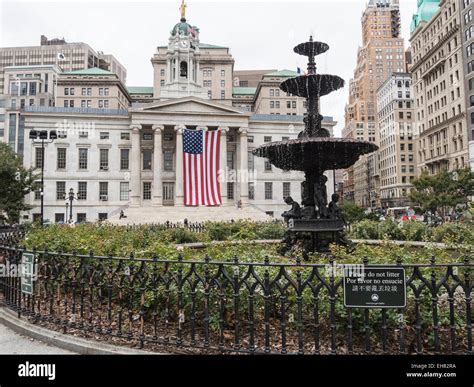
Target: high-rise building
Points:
(467, 18)
(438, 79)
(397, 153)
(382, 52)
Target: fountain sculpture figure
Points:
(314, 152)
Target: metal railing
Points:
(239, 306)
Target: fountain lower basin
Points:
(315, 153)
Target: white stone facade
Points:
(152, 136)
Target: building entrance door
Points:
(168, 194)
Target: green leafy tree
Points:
(15, 182)
(352, 212)
(441, 193)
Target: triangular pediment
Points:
(190, 105)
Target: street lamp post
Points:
(65, 217)
(71, 198)
(41, 137)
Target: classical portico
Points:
(157, 150)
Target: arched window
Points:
(183, 69)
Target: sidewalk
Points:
(12, 343)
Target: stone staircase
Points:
(147, 215)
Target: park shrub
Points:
(454, 233)
(365, 229)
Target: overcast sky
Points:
(260, 34)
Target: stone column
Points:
(223, 164)
(157, 166)
(135, 177)
(244, 166)
(168, 70)
(179, 165)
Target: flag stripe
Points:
(201, 168)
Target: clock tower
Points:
(182, 62)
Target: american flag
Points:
(201, 168)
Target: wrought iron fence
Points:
(241, 307)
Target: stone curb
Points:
(70, 343)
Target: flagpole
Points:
(189, 67)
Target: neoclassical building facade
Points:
(131, 159)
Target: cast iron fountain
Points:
(317, 224)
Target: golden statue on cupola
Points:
(183, 10)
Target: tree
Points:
(15, 182)
(441, 193)
(352, 212)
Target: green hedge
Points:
(449, 233)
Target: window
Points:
(104, 160)
(268, 191)
(83, 134)
(124, 190)
(124, 136)
(82, 158)
(267, 139)
(230, 160)
(146, 190)
(230, 191)
(103, 191)
(124, 159)
(102, 216)
(222, 94)
(39, 157)
(59, 218)
(162, 82)
(222, 73)
(268, 166)
(60, 190)
(222, 83)
(251, 191)
(37, 190)
(82, 190)
(147, 159)
(286, 189)
(251, 161)
(168, 160)
(168, 137)
(293, 104)
(147, 136)
(81, 218)
(61, 158)
(162, 72)
(104, 135)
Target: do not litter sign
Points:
(375, 287)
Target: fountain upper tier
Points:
(312, 85)
(311, 48)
